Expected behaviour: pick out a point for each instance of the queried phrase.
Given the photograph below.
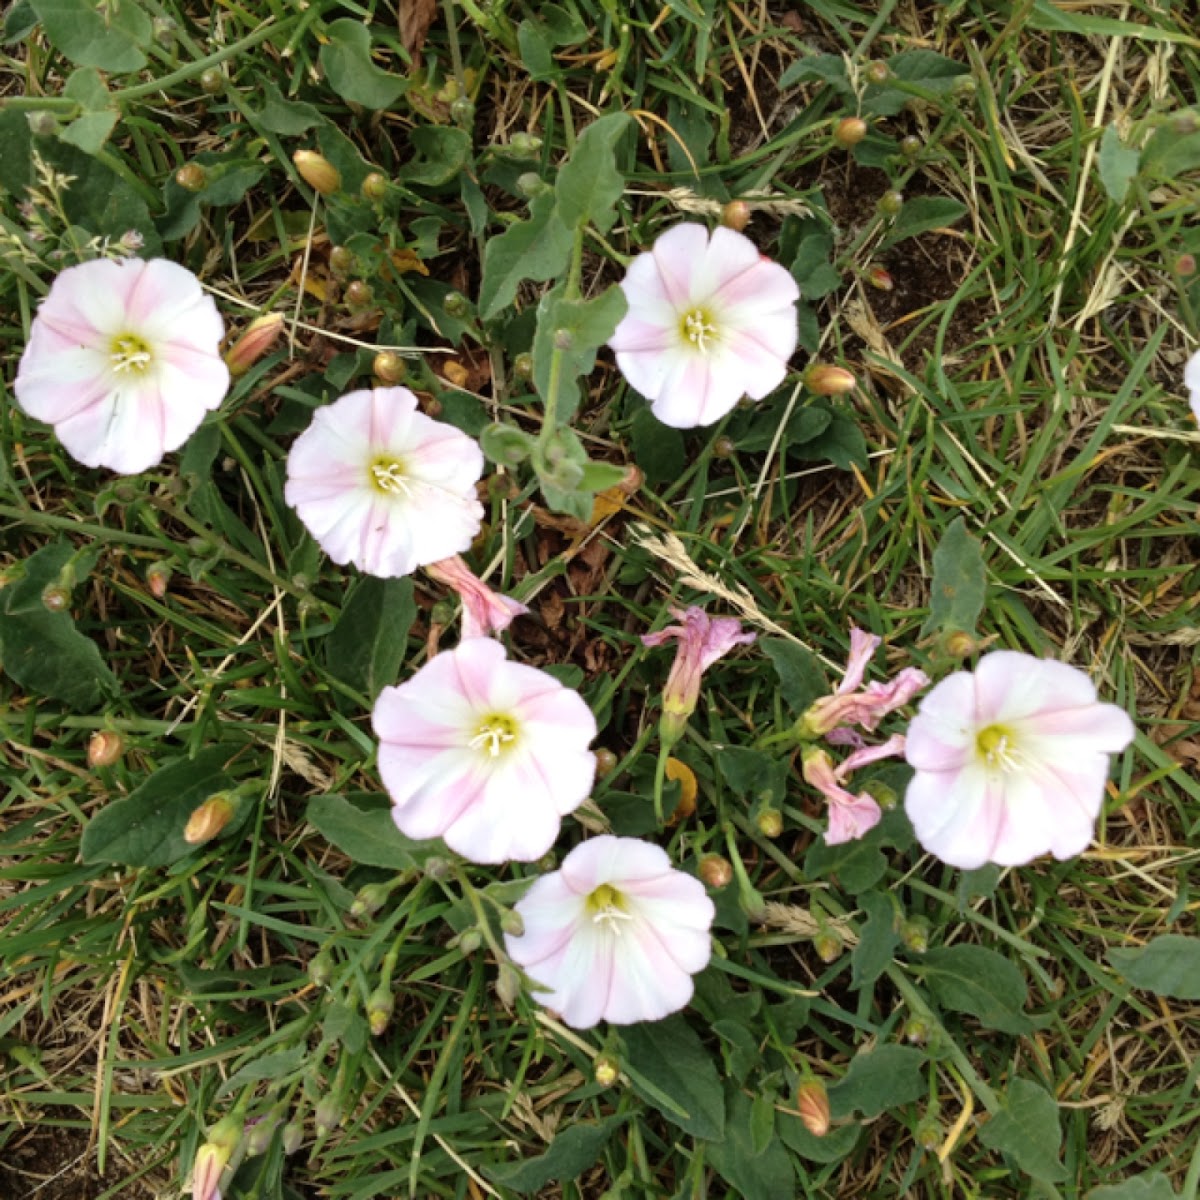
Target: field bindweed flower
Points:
(1191, 380)
(854, 705)
(710, 320)
(850, 816)
(615, 934)
(123, 361)
(383, 486)
(1011, 761)
(484, 611)
(485, 753)
(701, 641)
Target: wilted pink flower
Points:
(614, 935)
(206, 1172)
(122, 360)
(1191, 380)
(485, 753)
(850, 816)
(854, 705)
(709, 321)
(702, 640)
(1011, 761)
(484, 611)
(383, 486)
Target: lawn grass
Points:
(1023, 372)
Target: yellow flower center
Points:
(496, 734)
(387, 475)
(697, 327)
(996, 745)
(128, 352)
(608, 907)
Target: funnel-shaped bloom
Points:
(123, 361)
(484, 611)
(1011, 761)
(850, 816)
(383, 486)
(1191, 380)
(701, 641)
(710, 320)
(615, 935)
(485, 753)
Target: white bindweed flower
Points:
(383, 486)
(709, 321)
(123, 361)
(1011, 761)
(1191, 381)
(615, 934)
(485, 753)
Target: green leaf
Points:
(345, 1026)
(506, 444)
(367, 646)
(589, 184)
(368, 835)
(1150, 1186)
(572, 330)
(1118, 165)
(346, 61)
(755, 776)
(842, 443)
(860, 864)
(270, 1066)
(959, 582)
(538, 37)
(42, 651)
(684, 1084)
(443, 151)
(923, 214)
(145, 829)
(979, 981)
(536, 249)
(287, 117)
(813, 268)
(883, 1078)
(877, 940)
(657, 448)
(755, 1171)
(833, 1147)
(1027, 1128)
(19, 23)
(818, 68)
(572, 1152)
(1167, 966)
(228, 179)
(88, 39)
(90, 131)
(1168, 154)
(801, 679)
(600, 476)
(1047, 15)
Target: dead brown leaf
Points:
(416, 16)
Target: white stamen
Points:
(493, 737)
(126, 358)
(611, 916)
(697, 329)
(389, 478)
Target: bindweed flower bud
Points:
(207, 820)
(436, 868)
(828, 945)
(42, 124)
(963, 88)
(724, 447)
(512, 923)
(212, 81)
(389, 368)
(380, 1005)
(260, 336)
(375, 187)
(849, 131)
(523, 366)
(359, 296)
(469, 941)
(371, 897)
(341, 261)
(462, 111)
(213, 1155)
(158, 579)
(606, 1070)
(736, 215)
(327, 1116)
(878, 73)
(320, 969)
(929, 1133)
(916, 1030)
(524, 145)
(508, 985)
(531, 185)
(911, 146)
(192, 177)
(318, 172)
(891, 202)
(914, 933)
(716, 871)
(104, 748)
(606, 762)
(259, 1134)
(293, 1137)
(1185, 265)
(823, 379)
(456, 304)
(55, 598)
(769, 822)
(164, 31)
(812, 1101)
(879, 279)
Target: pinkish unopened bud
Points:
(849, 131)
(1185, 265)
(207, 820)
(388, 367)
(812, 1101)
(158, 578)
(879, 279)
(104, 748)
(878, 73)
(261, 334)
(827, 380)
(736, 215)
(716, 871)
(317, 171)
